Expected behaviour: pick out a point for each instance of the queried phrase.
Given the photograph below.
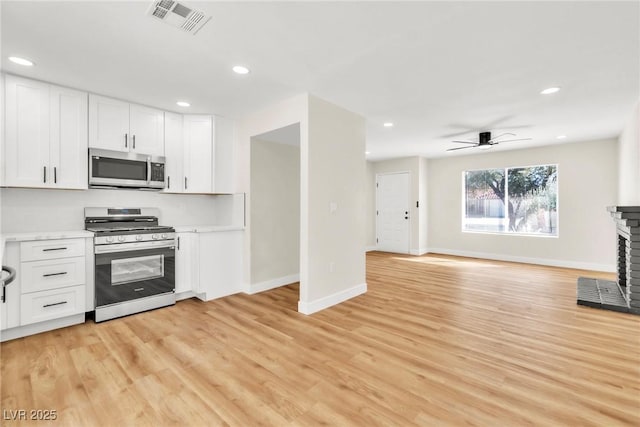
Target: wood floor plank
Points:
(436, 340)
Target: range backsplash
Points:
(29, 210)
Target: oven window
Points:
(127, 270)
(105, 167)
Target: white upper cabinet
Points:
(118, 125)
(147, 130)
(108, 123)
(198, 153)
(224, 170)
(174, 153)
(68, 143)
(46, 135)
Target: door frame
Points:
(408, 173)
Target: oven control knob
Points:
(154, 236)
(109, 239)
(121, 238)
(138, 237)
(164, 236)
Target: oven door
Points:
(132, 274)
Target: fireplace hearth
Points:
(624, 293)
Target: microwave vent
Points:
(178, 15)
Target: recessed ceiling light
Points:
(239, 69)
(367, 152)
(21, 61)
(388, 125)
(183, 104)
(549, 90)
(561, 136)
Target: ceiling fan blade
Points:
(465, 142)
(501, 135)
(512, 140)
(461, 148)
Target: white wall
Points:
(333, 172)
(417, 167)
(26, 210)
(275, 213)
(629, 161)
(587, 185)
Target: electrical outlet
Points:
(332, 267)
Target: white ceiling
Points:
(438, 70)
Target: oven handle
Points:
(148, 168)
(102, 250)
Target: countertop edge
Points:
(44, 235)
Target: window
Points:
(522, 200)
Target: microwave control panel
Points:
(157, 172)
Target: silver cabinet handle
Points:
(168, 182)
(55, 174)
(45, 174)
(126, 140)
(178, 243)
(54, 249)
(133, 138)
(54, 274)
(185, 182)
(55, 303)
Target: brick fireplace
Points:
(624, 293)
(627, 219)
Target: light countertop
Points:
(45, 235)
(207, 228)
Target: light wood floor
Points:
(436, 340)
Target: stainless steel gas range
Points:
(134, 261)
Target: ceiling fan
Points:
(485, 141)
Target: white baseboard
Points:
(609, 268)
(273, 283)
(419, 252)
(311, 307)
(371, 248)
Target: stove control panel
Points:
(128, 238)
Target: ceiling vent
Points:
(178, 15)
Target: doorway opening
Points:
(274, 216)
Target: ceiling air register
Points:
(178, 15)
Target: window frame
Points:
(505, 218)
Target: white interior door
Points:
(392, 225)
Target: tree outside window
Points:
(520, 200)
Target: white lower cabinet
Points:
(220, 263)
(186, 274)
(208, 264)
(47, 305)
(50, 287)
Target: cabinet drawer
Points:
(48, 305)
(50, 249)
(52, 274)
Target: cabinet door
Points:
(186, 274)
(220, 263)
(198, 153)
(147, 130)
(68, 138)
(27, 133)
(108, 123)
(224, 162)
(173, 150)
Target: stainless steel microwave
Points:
(109, 168)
